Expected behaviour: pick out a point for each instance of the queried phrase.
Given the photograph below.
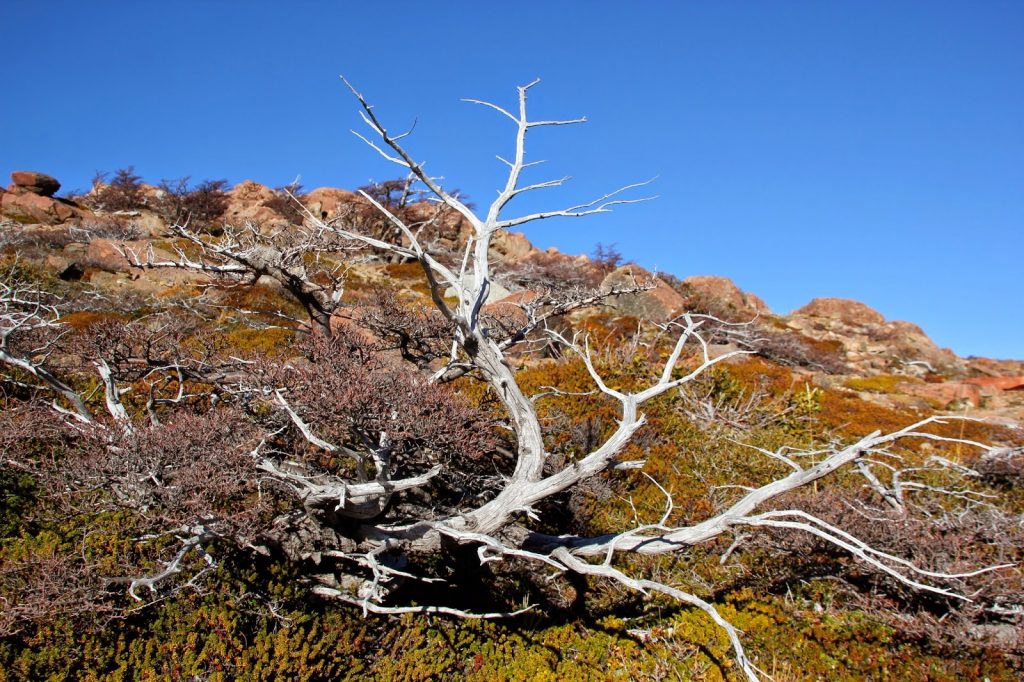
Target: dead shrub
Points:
(1003, 467)
(113, 227)
(795, 350)
(606, 258)
(545, 271)
(287, 201)
(200, 206)
(124, 192)
(934, 538)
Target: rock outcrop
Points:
(724, 292)
(988, 367)
(246, 202)
(106, 255)
(34, 183)
(998, 383)
(511, 245)
(872, 344)
(329, 202)
(29, 200)
(658, 304)
(950, 395)
(849, 313)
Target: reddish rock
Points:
(252, 193)
(150, 222)
(514, 303)
(29, 208)
(1000, 383)
(945, 393)
(152, 193)
(106, 255)
(911, 343)
(757, 303)
(245, 203)
(724, 290)
(658, 304)
(849, 312)
(329, 201)
(35, 183)
(521, 298)
(996, 368)
(871, 344)
(505, 315)
(513, 245)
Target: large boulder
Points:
(724, 292)
(149, 223)
(34, 182)
(35, 209)
(246, 203)
(328, 202)
(658, 303)
(995, 368)
(106, 255)
(511, 245)
(29, 200)
(853, 313)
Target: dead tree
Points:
(500, 528)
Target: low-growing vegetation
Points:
(881, 383)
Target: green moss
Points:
(81, 320)
(17, 495)
(882, 383)
(246, 340)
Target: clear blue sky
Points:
(868, 150)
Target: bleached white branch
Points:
(602, 204)
(308, 434)
(172, 568)
(112, 397)
(876, 558)
(605, 570)
(403, 158)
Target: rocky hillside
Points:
(837, 342)
(251, 446)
